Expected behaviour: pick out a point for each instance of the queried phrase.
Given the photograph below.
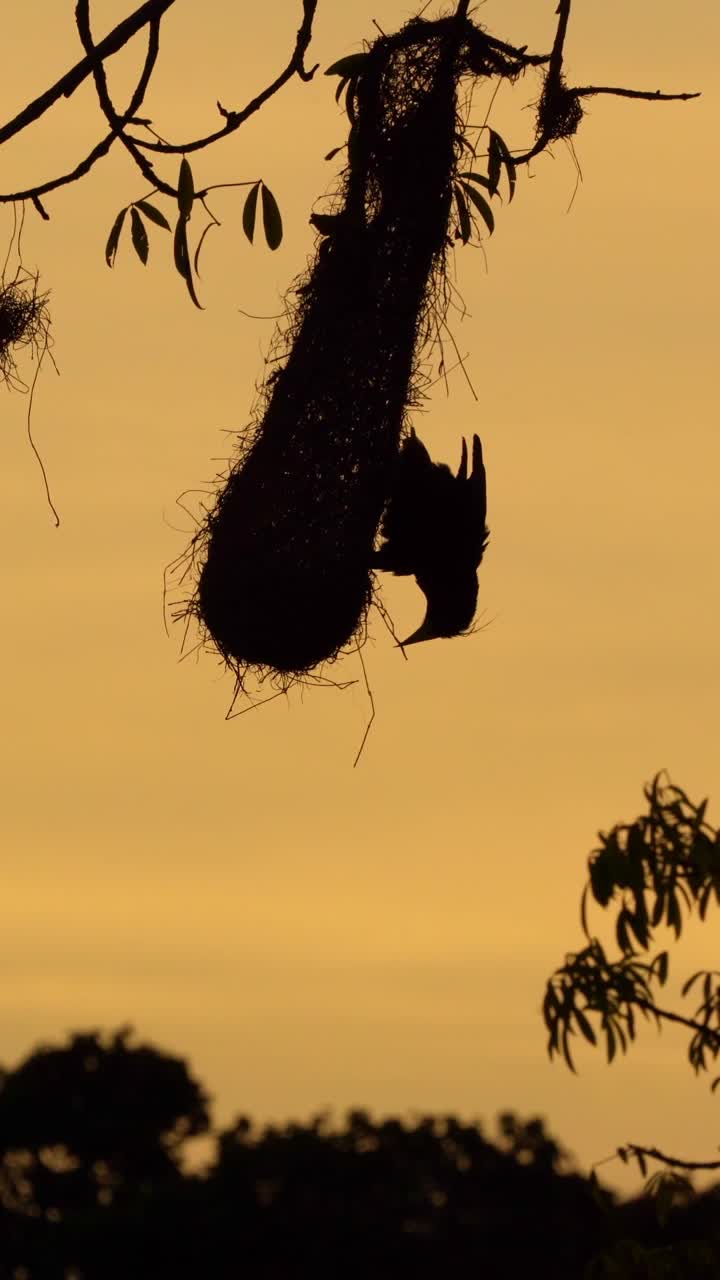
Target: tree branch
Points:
(32, 193)
(555, 91)
(691, 1025)
(650, 95)
(122, 33)
(654, 1154)
(117, 122)
(233, 119)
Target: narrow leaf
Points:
(272, 222)
(186, 188)
(331, 154)
(182, 258)
(476, 177)
(180, 247)
(350, 96)
(509, 164)
(585, 1026)
(611, 1045)
(482, 207)
(152, 213)
(511, 172)
(113, 238)
(140, 241)
(495, 160)
(349, 66)
(691, 981)
(674, 917)
(342, 84)
(463, 215)
(249, 211)
(566, 1051)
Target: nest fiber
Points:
(286, 579)
(24, 321)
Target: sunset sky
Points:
(312, 935)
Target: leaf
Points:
(113, 238)
(495, 161)
(463, 215)
(186, 188)
(658, 909)
(140, 241)
(674, 917)
(272, 222)
(350, 97)
(662, 962)
(509, 164)
(566, 1051)
(638, 925)
(611, 1045)
(182, 258)
(583, 911)
(585, 1026)
(482, 207)
(476, 177)
(331, 154)
(511, 172)
(621, 931)
(346, 67)
(249, 211)
(342, 84)
(691, 981)
(152, 213)
(180, 247)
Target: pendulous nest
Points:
(285, 579)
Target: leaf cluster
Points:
(187, 198)
(631, 1260)
(655, 871)
(469, 201)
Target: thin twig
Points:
(674, 1161)
(31, 441)
(368, 727)
(669, 1016)
(233, 119)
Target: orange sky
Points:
(310, 935)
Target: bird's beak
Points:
(424, 632)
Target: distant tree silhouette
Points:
(92, 1119)
(92, 1187)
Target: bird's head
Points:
(451, 603)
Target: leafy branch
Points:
(149, 14)
(656, 871)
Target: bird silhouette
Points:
(434, 529)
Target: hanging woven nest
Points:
(285, 556)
